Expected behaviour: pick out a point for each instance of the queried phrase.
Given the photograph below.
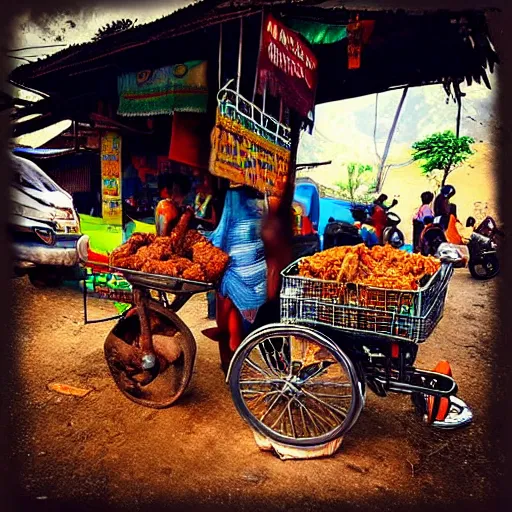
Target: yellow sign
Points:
(245, 158)
(112, 204)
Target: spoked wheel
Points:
(295, 386)
(175, 350)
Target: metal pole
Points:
(239, 71)
(459, 107)
(261, 42)
(220, 56)
(390, 138)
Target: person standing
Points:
(419, 217)
(453, 235)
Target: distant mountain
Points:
(344, 130)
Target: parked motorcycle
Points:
(339, 234)
(392, 235)
(483, 244)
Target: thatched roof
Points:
(406, 48)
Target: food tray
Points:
(162, 282)
(408, 315)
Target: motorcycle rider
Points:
(366, 231)
(442, 205)
(379, 214)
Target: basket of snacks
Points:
(380, 290)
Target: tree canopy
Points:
(442, 151)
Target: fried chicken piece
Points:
(132, 262)
(348, 268)
(192, 237)
(155, 251)
(182, 264)
(212, 260)
(129, 248)
(178, 233)
(161, 267)
(194, 273)
(120, 253)
(381, 266)
(140, 239)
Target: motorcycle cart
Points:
(302, 383)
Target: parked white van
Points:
(44, 226)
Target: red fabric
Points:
(190, 139)
(231, 331)
(288, 66)
(307, 226)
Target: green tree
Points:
(442, 151)
(358, 175)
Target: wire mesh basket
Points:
(408, 315)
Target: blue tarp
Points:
(307, 194)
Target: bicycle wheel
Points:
(295, 386)
(175, 350)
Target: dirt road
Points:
(200, 454)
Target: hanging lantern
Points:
(355, 43)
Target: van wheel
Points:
(45, 278)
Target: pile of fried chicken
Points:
(185, 253)
(380, 266)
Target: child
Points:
(418, 219)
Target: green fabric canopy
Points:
(318, 33)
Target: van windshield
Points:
(27, 177)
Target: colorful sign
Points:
(287, 66)
(112, 206)
(179, 88)
(246, 158)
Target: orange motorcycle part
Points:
(444, 368)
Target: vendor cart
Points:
(302, 383)
(151, 352)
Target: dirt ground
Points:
(199, 454)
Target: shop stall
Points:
(220, 93)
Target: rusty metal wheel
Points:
(174, 355)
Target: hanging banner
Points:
(112, 207)
(287, 66)
(245, 158)
(163, 91)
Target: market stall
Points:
(225, 91)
